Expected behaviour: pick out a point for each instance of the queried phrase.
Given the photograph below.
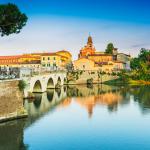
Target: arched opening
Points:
(37, 100)
(65, 88)
(58, 91)
(37, 87)
(65, 81)
(58, 85)
(50, 84)
(59, 81)
(50, 94)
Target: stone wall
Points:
(11, 100)
(83, 76)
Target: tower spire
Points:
(90, 41)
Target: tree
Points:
(110, 48)
(144, 54)
(142, 57)
(135, 64)
(69, 67)
(140, 66)
(11, 19)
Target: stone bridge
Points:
(40, 83)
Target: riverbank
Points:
(139, 82)
(127, 82)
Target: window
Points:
(48, 58)
(54, 58)
(43, 58)
(83, 66)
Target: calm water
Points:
(83, 118)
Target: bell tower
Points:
(90, 42)
(88, 49)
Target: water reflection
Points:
(12, 136)
(79, 98)
(90, 97)
(111, 97)
(141, 95)
(37, 100)
(50, 94)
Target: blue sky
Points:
(65, 24)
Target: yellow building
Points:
(28, 58)
(66, 57)
(51, 61)
(84, 64)
(112, 66)
(19, 61)
(98, 58)
(54, 61)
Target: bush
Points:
(90, 81)
(22, 85)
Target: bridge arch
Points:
(37, 88)
(37, 100)
(50, 84)
(59, 81)
(65, 81)
(50, 95)
(58, 91)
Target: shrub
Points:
(22, 85)
(90, 81)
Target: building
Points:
(18, 60)
(11, 61)
(124, 58)
(90, 59)
(37, 61)
(56, 61)
(89, 65)
(34, 65)
(88, 49)
(66, 57)
(51, 61)
(84, 64)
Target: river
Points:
(98, 117)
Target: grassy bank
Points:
(138, 82)
(116, 82)
(127, 82)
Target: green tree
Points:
(140, 66)
(109, 49)
(11, 19)
(135, 64)
(144, 55)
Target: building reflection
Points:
(90, 97)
